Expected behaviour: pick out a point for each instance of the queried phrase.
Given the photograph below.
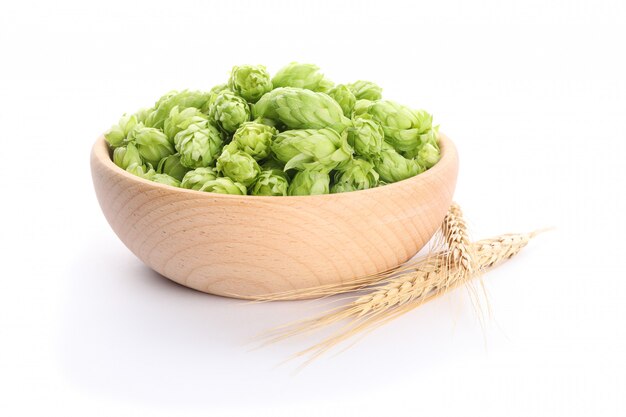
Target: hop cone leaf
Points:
(393, 167)
(319, 149)
(238, 165)
(366, 137)
(165, 179)
(255, 139)
(180, 120)
(125, 156)
(152, 144)
(366, 90)
(344, 97)
(229, 111)
(195, 179)
(271, 182)
(250, 82)
(223, 185)
(198, 145)
(298, 108)
(184, 99)
(358, 174)
(172, 166)
(310, 182)
(302, 76)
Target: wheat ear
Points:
(395, 296)
(457, 238)
(461, 259)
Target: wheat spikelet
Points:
(461, 260)
(455, 233)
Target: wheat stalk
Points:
(389, 295)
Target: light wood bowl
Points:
(248, 246)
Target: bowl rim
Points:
(100, 153)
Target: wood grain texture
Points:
(246, 246)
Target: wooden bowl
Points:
(247, 246)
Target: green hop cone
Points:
(229, 111)
(366, 90)
(272, 182)
(302, 76)
(195, 179)
(428, 155)
(430, 137)
(165, 179)
(359, 174)
(180, 120)
(140, 170)
(342, 187)
(152, 144)
(320, 149)
(183, 99)
(360, 108)
(255, 139)
(401, 124)
(125, 156)
(238, 165)
(366, 137)
(250, 82)
(171, 166)
(223, 185)
(117, 135)
(198, 145)
(310, 182)
(393, 167)
(298, 108)
(344, 97)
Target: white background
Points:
(534, 95)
